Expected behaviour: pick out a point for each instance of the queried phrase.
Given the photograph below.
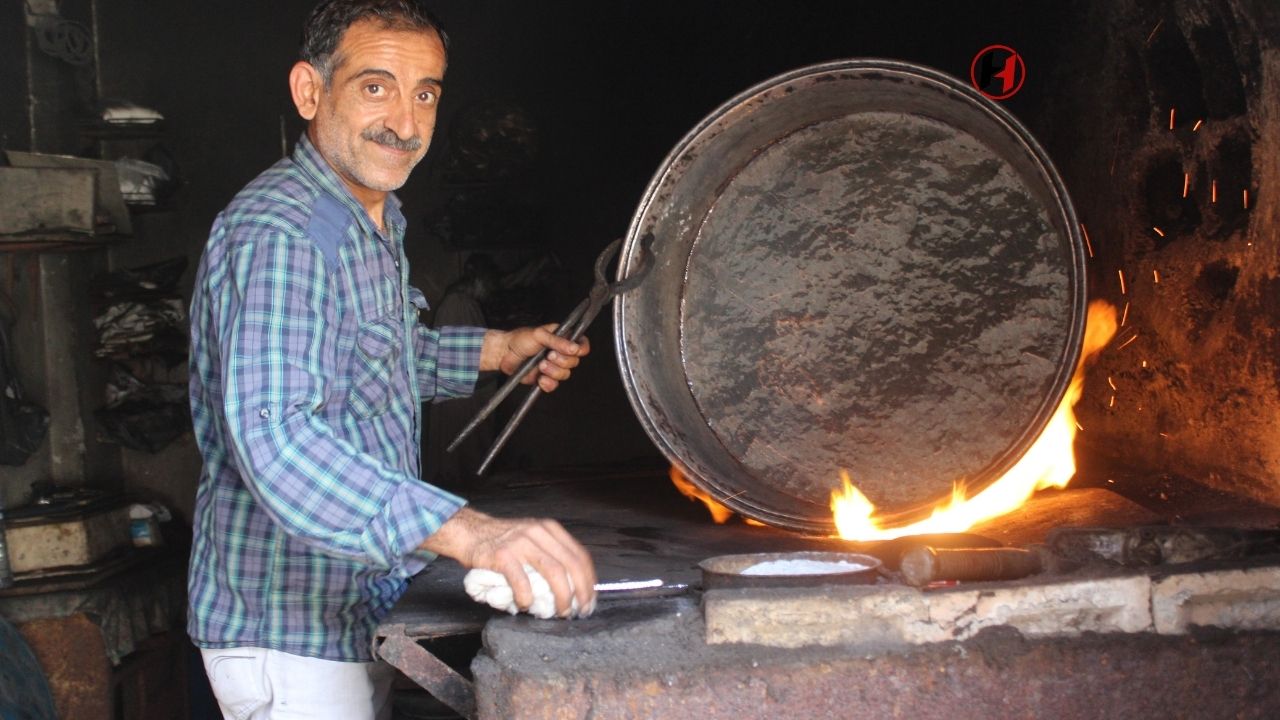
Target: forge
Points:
(1164, 127)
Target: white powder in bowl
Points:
(803, 567)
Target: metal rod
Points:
(512, 382)
(534, 393)
(429, 672)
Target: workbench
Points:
(636, 525)
(109, 637)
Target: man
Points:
(308, 368)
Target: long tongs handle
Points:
(579, 326)
(513, 381)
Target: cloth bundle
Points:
(492, 589)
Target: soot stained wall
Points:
(1195, 366)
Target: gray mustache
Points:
(386, 137)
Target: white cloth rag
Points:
(492, 588)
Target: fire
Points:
(719, 513)
(1050, 462)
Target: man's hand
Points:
(507, 350)
(480, 541)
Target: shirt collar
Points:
(308, 157)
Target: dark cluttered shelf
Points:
(141, 208)
(57, 242)
(101, 130)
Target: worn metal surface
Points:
(431, 673)
(861, 265)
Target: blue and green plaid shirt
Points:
(308, 370)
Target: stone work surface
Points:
(905, 616)
(649, 660)
(1241, 598)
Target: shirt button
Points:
(265, 414)
(397, 264)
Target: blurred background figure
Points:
(463, 304)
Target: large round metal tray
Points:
(861, 265)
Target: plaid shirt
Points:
(308, 369)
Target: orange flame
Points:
(719, 513)
(1049, 462)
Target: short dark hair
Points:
(331, 18)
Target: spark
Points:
(1163, 435)
(1087, 245)
(1112, 403)
(1111, 383)
(1144, 363)
(1158, 231)
(1153, 31)
(1115, 151)
(1246, 199)
(1186, 183)
(1079, 426)
(1213, 191)
(1121, 274)
(1156, 275)
(1171, 112)
(1126, 342)
(1124, 315)
(1197, 125)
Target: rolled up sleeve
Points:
(448, 361)
(279, 360)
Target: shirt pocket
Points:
(379, 346)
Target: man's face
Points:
(373, 123)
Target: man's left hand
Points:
(506, 350)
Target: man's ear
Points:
(306, 84)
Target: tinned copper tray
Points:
(859, 265)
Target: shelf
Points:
(99, 130)
(57, 242)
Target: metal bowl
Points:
(860, 265)
(726, 571)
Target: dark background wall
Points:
(609, 88)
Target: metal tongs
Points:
(572, 328)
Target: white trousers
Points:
(257, 684)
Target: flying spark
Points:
(1153, 31)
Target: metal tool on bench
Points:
(922, 565)
(572, 328)
(1067, 549)
(634, 589)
